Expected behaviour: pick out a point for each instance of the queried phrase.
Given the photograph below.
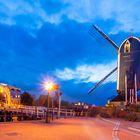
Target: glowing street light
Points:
(48, 86)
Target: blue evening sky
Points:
(49, 38)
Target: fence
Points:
(32, 113)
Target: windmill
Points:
(128, 67)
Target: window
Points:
(127, 47)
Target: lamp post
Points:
(52, 105)
(48, 86)
(55, 88)
(59, 104)
(48, 104)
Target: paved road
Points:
(68, 129)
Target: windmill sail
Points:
(101, 37)
(91, 31)
(101, 81)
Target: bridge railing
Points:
(33, 113)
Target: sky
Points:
(41, 39)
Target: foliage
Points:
(41, 101)
(26, 98)
(65, 104)
(135, 108)
(120, 113)
(131, 116)
(104, 115)
(93, 112)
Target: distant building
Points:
(9, 95)
(15, 94)
(119, 100)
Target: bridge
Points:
(33, 113)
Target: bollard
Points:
(15, 118)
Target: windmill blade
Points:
(104, 35)
(101, 81)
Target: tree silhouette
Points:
(26, 98)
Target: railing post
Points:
(4, 115)
(48, 111)
(59, 106)
(66, 114)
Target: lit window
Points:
(127, 47)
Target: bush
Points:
(93, 112)
(131, 117)
(121, 114)
(135, 108)
(104, 115)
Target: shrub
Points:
(104, 115)
(135, 108)
(131, 117)
(93, 112)
(121, 114)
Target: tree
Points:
(42, 100)
(26, 98)
(64, 104)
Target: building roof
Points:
(120, 98)
(10, 87)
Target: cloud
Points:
(32, 14)
(86, 73)
(29, 14)
(124, 13)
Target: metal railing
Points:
(32, 113)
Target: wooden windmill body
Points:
(128, 68)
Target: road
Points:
(69, 129)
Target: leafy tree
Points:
(42, 100)
(26, 98)
(64, 103)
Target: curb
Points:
(113, 122)
(134, 129)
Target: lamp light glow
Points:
(48, 85)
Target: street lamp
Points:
(59, 104)
(53, 105)
(55, 88)
(48, 86)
